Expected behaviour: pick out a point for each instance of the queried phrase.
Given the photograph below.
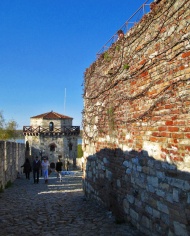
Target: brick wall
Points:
(12, 156)
(136, 123)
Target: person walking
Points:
(36, 169)
(27, 168)
(45, 167)
(58, 168)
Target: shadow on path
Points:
(58, 208)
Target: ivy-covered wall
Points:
(136, 135)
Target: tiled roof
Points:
(52, 115)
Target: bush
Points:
(79, 151)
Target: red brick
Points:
(153, 92)
(158, 139)
(153, 139)
(133, 82)
(169, 106)
(156, 134)
(174, 117)
(142, 62)
(165, 134)
(163, 156)
(177, 135)
(187, 135)
(181, 67)
(163, 29)
(186, 54)
(178, 159)
(173, 129)
(179, 122)
(162, 128)
(144, 74)
(138, 48)
(187, 148)
(175, 140)
(169, 122)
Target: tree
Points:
(7, 130)
(79, 151)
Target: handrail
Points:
(66, 130)
(125, 27)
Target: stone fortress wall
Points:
(136, 123)
(12, 156)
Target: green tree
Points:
(7, 130)
(79, 151)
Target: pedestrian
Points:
(68, 165)
(120, 34)
(27, 168)
(45, 167)
(36, 169)
(58, 168)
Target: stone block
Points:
(175, 195)
(162, 207)
(152, 181)
(180, 229)
(130, 198)
(134, 215)
(160, 193)
(155, 213)
(126, 206)
(145, 221)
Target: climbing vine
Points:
(108, 93)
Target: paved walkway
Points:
(58, 208)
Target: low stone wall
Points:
(153, 195)
(12, 156)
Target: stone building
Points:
(51, 134)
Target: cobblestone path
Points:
(56, 208)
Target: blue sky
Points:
(45, 47)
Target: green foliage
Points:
(126, 67)
(107, 57)
(118, 48)
(7, 130)
(79, 151)
(9, 184)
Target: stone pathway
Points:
(56, 208)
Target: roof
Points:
(51, 115)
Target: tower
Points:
(51, 134)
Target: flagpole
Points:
(64, 101)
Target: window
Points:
(51, 126)
(52, 147)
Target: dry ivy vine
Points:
(114, 68)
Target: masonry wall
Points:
(12, 156)
(136, 135)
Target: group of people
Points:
(38, 165)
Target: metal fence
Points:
(144, 9)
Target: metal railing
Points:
(144, 9)
(67, 131)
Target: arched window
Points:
(51, 126)
(52, 147)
